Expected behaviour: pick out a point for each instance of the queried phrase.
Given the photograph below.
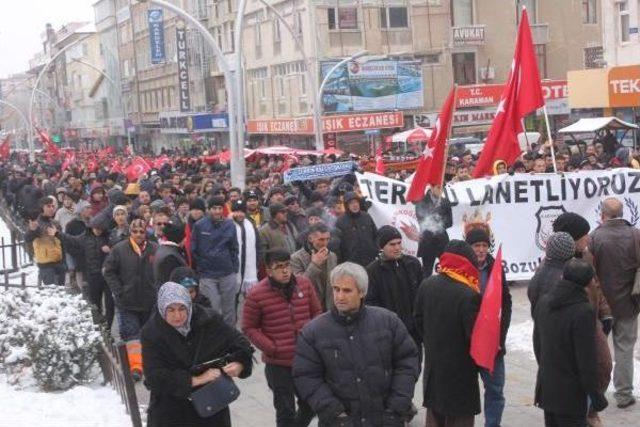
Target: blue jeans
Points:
(493, 393)
(130, 323)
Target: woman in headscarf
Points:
(179, 336)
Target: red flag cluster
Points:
(137, 168)
(48, 145)
(522, 95)
(5, 148)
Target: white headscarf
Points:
(173, 293)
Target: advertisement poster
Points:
(156, 36)
(374, 85)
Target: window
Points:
(342, 18)
(462, 13)
(217, 35)
(303, 84)
(623, 8)
(297, 23)
(276, 30)
(531, 10)
(230, 35)
(280, 86)
(259, 75)
(230, 6)
(216, 8)
(257, 38)
(541, 56)
(464, 68)
(394, 17)
(589, 12)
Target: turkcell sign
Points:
(183, 67)
(156, 35)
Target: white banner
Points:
(519, 209)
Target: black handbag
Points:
(213, 397)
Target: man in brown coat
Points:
(279, 232)
(613, 245)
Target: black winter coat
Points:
(167, 258)
(445, 313)
(394, 285)
(565, 347)
(545, 278)
(357, 234)
(130, 277)
(90, 246)
(365, 365)
(167, 357)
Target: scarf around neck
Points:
(460, 269)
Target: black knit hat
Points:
(462, 248)
(477, 235)
(572, 223)
(578, 271)
(216, 201)
(197, 203)
(387, 233)
(239, 206)
(173, 232)
(275, 208)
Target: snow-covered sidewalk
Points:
(82, 406)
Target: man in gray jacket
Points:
(614, 248)
(315, 261)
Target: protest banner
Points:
(519, 209)
(326, 170)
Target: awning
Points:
(596, 124)
(412, 136)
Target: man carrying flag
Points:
(492, 324)
(5, 148)
(445, 312)
(522, 95)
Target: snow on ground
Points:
(520, 338)
(82, 406)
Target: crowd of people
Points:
(193, 270)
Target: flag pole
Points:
(553, 151)
(446, 147)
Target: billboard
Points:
(374, 85)
(156, 36)
(183, 67)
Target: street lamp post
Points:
(17, 110)
(32, 154)
(237, 159)
(317, 122)
(239, 82)
(330, 73)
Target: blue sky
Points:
(22, 21)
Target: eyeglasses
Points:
(283, 266)
(138, 231)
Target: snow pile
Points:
(520, 338)
(50, 332)
(82, 406)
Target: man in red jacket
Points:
(275, 312)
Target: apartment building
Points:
(621, 20)
(467, 42)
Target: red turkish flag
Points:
(137, 168)
(159, 161)
(92, 165)
(522, 95)
(485, 338)
(69, 159)
(431, 166)
(380, 167)
(115, 167)
(47, 144)
(5, 148)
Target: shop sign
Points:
(624, 86)
(334, 124)
(488, 95)
(460, 118)
(177, 123)
(183, 67)
(468, 35)
(156, 35)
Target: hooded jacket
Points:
(565, 348)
